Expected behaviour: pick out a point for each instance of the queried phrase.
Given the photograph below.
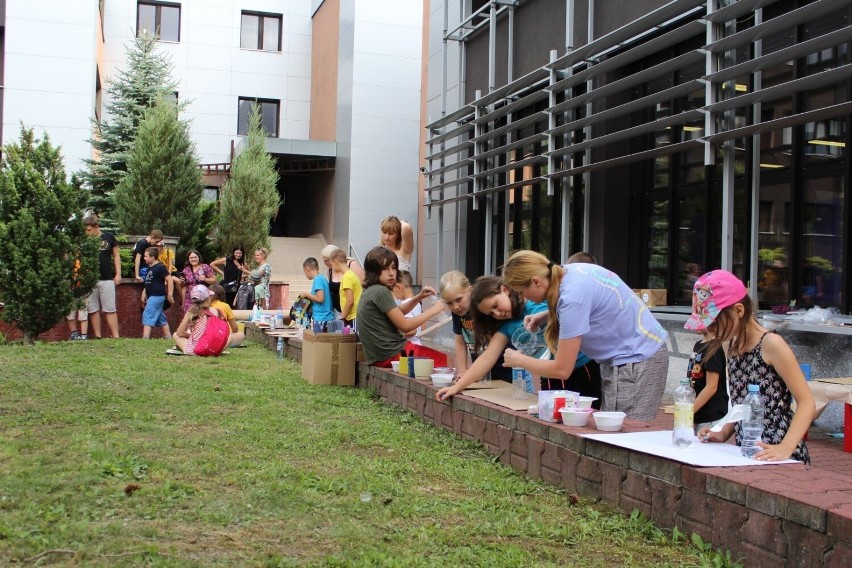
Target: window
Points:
(269, 112)
(160, 18)
(260, 31)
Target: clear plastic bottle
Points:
(279, 316)
(520, 379)
(683, 435)
(280, 349)
(752, 424)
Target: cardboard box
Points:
(652, 296)
(359, 353)
(328, 359)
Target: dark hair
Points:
(377, 260)
(484, 325)
(581, 257)
(153, 252)
(218, 291)
(196, 253)
(238, 248)
(311, 263)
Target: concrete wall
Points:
(378, 121)
(49, 76)
(324, 53)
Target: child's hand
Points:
(426, 291)
(513, 358)
(707, 435)
(446, 393)
(773, 453)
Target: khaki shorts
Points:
(102, 298)
(81, 314)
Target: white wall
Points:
(213, 71)
(49, 81)
(378, 116)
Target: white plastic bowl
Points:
(585, 401)
(395, 366)
(575, 416)
(441, 380)
(609, 421)
(445, 370)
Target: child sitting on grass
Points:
(194, 322)
(381, 322)
(219, 296)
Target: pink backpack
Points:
(214, 339)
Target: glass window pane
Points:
(248, 31)
(269, 118)
(243, 111)
(822, 242)
(169, 23)
(146, 18)
(773, 242)
(658, 243)
(271, 33)
(690, 243)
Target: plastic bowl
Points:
(442, 379)
(445, 370)
(395, 366)
(575, 416)
(585, 401)
(609, 421)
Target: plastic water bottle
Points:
(520, 379)
(255, 314)
(272, 322)
(279, 316)
(280, 348)
(684, 403)
(752, 425)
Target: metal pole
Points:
(511, 47)
(587, 131)
(757, 82)
(492, 46)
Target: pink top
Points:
(193, 278)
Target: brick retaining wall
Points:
(780, 515)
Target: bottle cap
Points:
(753, 388)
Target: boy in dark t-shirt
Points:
(158, 286)
(707, 375)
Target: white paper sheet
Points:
(700, 454)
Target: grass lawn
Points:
(115, 454)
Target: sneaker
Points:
(82, 337)
(174, 351)
(74, 336)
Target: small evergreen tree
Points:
(250, 197)
(162, 187)
(41, 238)
(146, 79)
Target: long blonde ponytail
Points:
(519, 271)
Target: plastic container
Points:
(520, 377)
(683, 432)
(441, 379)
(609, 421)
(395, 366)
(280, 349)
(575, 416)
(585, 401)
(752, 424)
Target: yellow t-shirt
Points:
(167, 257)
(224, 309)
(350, 282)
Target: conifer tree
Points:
(41, 238)
(249, 198)
(146, 79)
(162, 187)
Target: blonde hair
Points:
(519, 271)
(263, 251)
(393, 226)
(327, 250)
(453, 280)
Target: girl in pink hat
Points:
(722, 306)
(195, 320)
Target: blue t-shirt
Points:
(614, 325)
(322, 311)
(509, 327)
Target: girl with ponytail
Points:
(592, 306)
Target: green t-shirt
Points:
(379, 336)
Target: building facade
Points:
(338, 83)
(666, 138)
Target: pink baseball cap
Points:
(199, 293)
(712, 293)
